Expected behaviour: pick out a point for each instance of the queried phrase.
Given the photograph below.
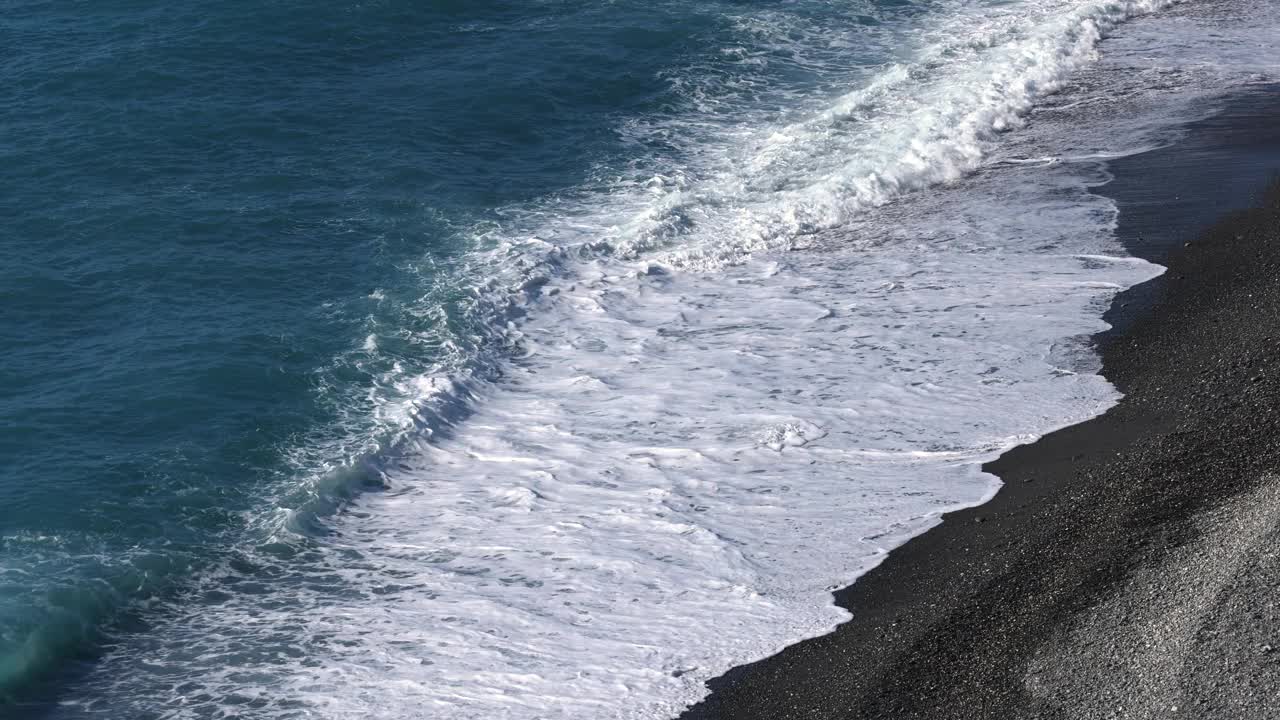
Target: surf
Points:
(635, 431)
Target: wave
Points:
(733, 184)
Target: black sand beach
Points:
(1129, 567)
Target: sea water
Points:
(532, 359)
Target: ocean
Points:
(539, 359)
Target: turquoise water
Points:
(511, 359)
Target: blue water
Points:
(198, 202)
(260, 259)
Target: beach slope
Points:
(1129, 567)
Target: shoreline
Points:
(1093, 583)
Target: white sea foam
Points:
(725, 389)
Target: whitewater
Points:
(672, 410)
